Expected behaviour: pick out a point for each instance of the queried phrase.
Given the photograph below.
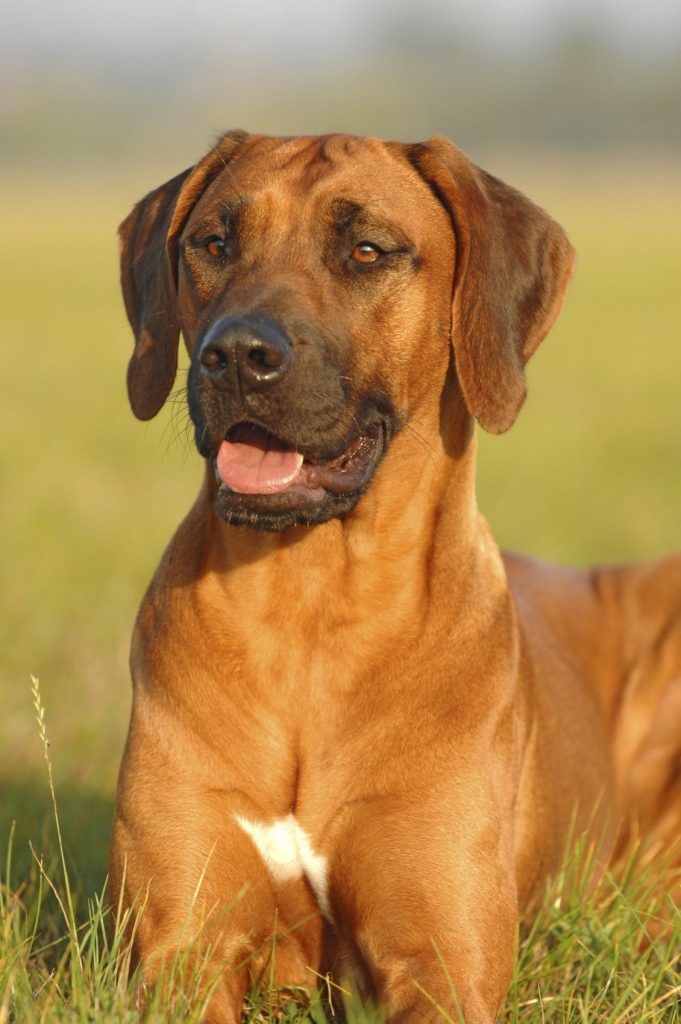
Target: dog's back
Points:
(611, 637)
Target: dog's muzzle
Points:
(286, 443)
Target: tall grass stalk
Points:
(66, 906)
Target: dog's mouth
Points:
(251, 461)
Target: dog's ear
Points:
(513, 263)
(148, 249)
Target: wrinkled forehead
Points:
(305, 177)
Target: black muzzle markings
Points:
(287, 443)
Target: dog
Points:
(361, 735)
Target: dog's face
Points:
(305, 276)
(313, 282)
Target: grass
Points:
(589, 473)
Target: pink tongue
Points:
(262, 466)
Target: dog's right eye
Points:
(366, 252)
(215, 246)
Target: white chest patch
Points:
(287, 852)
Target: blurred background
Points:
(576, 103)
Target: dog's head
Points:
(318, 283)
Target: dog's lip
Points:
(309, 477)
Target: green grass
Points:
(589, 473)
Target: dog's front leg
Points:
(432, 903)
(209, 915)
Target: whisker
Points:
(229, 171)
(178, 427)
(427, 447)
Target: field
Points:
(589, 473)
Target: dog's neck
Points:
(361, 588)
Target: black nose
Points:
(253, 347)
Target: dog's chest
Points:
(288, 854)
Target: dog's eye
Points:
(366, 252)
(215, 246)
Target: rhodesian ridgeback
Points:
(361, 735)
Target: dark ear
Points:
(512, 268)
(148, 249)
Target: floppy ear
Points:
(513, 263)
(148, 249)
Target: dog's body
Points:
(357, 729)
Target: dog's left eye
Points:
(215, 246)
(366, 252)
